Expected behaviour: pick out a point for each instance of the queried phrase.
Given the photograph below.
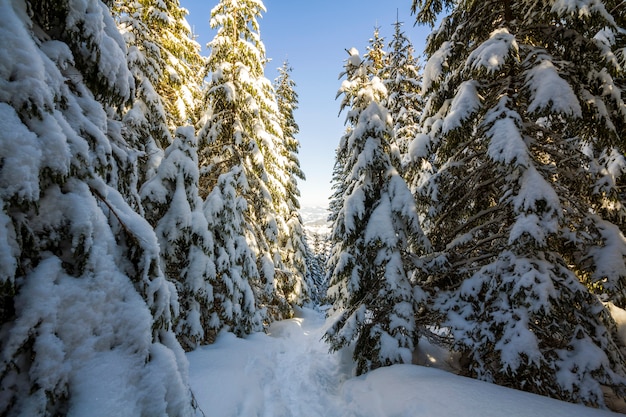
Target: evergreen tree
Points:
(353, 68)
(241, 132)
(182, 81)
(145, 123)
(519, 113)
(175, 210)
(403, 83)
(376, 55)
(375, 230)
(318, 252)
(235, 307)
(166, 65)
(163, 53)
(293, 239)
(81, 286)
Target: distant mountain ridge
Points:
(315, 219)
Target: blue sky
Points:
(313, 36)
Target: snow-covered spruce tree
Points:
(175, 210)
(240, 132)
(353, 67)
(293, 239)
(339, 185)
(235, 307)
(376, 55)
(145, 124)
(279, 166)
(86, 311)
(318, 251)
(166, 65)
(182, 81)
(403, 83)
(375, 231)
(163, 53)
(521, 101)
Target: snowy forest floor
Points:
(290, 373)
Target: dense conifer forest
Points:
(149, 198)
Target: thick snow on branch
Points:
(538, 208)
(536, 193)
(419, 147)
(550, 91)
(95, 23)
(434, 67)
(609, 258)
(354, 208)
(507, 145)
(492, 54)
(465, 103)
(379, 227)
(21, 157)
(582, 8)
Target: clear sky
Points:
(313, 36)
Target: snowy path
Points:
(286, 373)
(289, 373)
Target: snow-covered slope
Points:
(315, 219)
(289, 373)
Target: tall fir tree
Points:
(235, 308)
(522, 105)
(163, 52)
(182, 83)
(241, 133)
(167, 67)
(403, 83)
(376, 55)
(318, 251)
(174, 208)
(293, 239)
(82, 290)
(145, 123)
(375, 231)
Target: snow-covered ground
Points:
(289, 373)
